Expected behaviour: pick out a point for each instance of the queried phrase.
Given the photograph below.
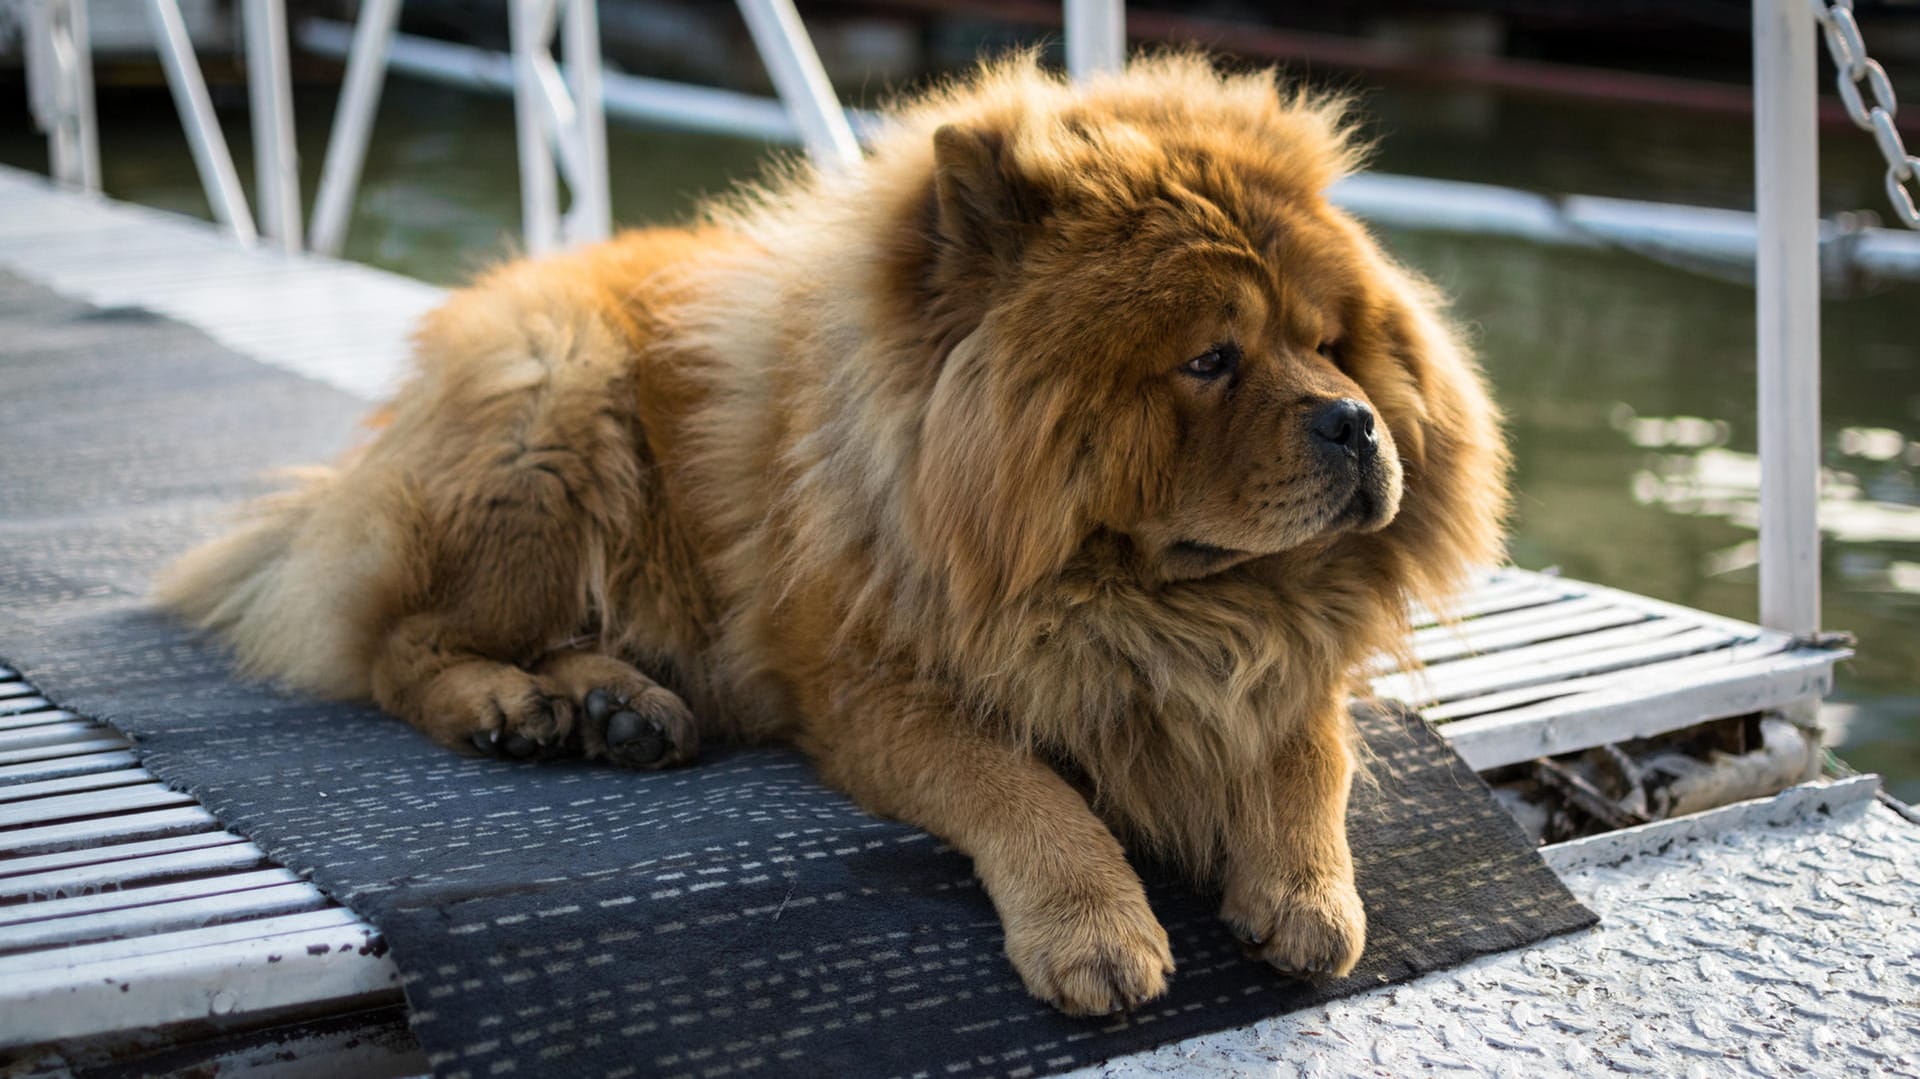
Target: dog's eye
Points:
(1218, 361)
(1329, 349)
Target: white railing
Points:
(1787, 306)
(561, 130)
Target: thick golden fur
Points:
(982, 472)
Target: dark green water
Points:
(1628, 385)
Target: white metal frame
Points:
(353, 123)
(559, 121)
(801, 82)
(189, 88)
(270, 101)
(1787, 314)
(60, 89)
(1096, 37)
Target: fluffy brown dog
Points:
(1045, 479)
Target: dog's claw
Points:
(521, 747)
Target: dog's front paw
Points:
(1091, 957)
(1306, 928)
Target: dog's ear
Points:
(986, 206)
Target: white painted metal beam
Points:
(210, 156)
(1786, 195)
(352, 123)
(270, 101)
(803, 85)
(1096, 37)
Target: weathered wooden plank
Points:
(151, 795)
(259, 975)
(79, 856)
(126, 827)
(1568, 657)
(94, 781)
(161, 917)
(49, 734)
(1590, 719)
(33, 771)
(81, 905)
(102, 739)
(1507, 596)
(213, 936)
(39, 718)
(1663, 672)
(1574, 624)
(10, 688)
(130, 872)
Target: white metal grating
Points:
(124, 904)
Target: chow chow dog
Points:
(1044, 478)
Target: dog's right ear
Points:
(986, 207)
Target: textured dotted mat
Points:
(730, 918)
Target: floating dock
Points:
(1777, 934)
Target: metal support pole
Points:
(590, 218)
(59, 55)
(1096, 37)
(209, 146)
(531, 27)
(802, 83)
(1788, 326)
(559, 117)
(270, 98)
(353, 123)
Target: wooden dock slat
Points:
(1503, 597)
(1567, 657)
(20, 963)
(1572, 624)
(77, 764)
(261, 974)
(151, 895)
(91, 781)
(132, 873)
(1663, 672)
(23, 720)
(150, 825)
(80, 856)
(188, 913)
(101, 739)
(151, 795)
(1578, 722)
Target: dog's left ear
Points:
(986, 206)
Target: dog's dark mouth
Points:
(1203, 552)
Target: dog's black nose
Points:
(1345, 424)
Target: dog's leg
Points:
(1078, 928)
(623, 716)
(1289, 874)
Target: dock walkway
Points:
(1538, 665)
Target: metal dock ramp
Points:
(123, 905)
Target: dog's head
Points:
(1153, 325)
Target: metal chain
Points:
(1854, 67)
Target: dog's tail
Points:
(273, 590)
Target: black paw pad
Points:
(637, 739)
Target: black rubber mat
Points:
(727, 918)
